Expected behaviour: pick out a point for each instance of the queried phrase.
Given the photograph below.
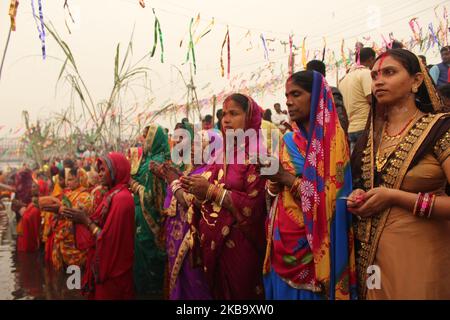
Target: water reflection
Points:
(23, 275)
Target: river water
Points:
(24, 276)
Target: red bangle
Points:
(418, 204)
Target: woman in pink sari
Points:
(230, 211)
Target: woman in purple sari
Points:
(230, 209)
(186, 279)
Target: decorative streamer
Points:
(304, 62)
(205, 31)
(226, 40)
(229, 52)
(13, 13)
(41, 29)
(433, 35)
(192, 28)
(446, 26)
(191, 48)
(266, 52)
(157, 34)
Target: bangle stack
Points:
(216, 194)
(295, 189)
(268, 185)
(424, 205)
(175, 186)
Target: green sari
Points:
(149, 193)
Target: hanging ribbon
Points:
(41, 28)
(226, 40)
(191, 48)
(13, 13)
(433, 35)
(157, 34)
(266, 51)
(205, 31)
(192, 28)
(446, 26)
(229, 53)
(304, 62)
(291, 56)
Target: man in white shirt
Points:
(279, 118)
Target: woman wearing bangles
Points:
(186, 278)
(230, 211)
(108, 234)
(310, 248)
(401, 168)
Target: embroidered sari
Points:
(231, 244)
(310, 251)
(186, 278)
(65, 251)
(412, 253)
(149, 195)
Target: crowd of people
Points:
(362, 172)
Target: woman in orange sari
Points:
(65, 251)
(401, 167)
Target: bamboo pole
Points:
(6, 49)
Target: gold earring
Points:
(414, 90)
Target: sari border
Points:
(182, 252)
(395, 172)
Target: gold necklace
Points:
(388, 137)
(381, 159)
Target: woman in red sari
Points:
(230, 211)
(108, 234)
(29, 238)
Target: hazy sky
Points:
(29, 83)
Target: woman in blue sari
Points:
(310, 252)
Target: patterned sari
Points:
(65, 251)
(186, 278)
(310, 251)
(231, 244)
(149, 195)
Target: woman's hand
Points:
(356, 198)
(281, 177)
(76, 215)
(196, 185)
(366, 204)
(51, 208)
(170, 173)
(156, 169)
